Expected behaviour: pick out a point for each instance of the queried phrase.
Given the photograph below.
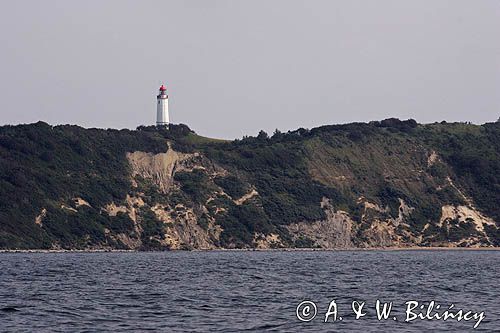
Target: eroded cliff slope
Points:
(381, 184)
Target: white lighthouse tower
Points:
(162, 118)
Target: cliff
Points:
(387, 183)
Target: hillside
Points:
(387, 183)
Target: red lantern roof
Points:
(163, 88)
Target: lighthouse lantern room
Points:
(162, 118)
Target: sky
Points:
(233, 68)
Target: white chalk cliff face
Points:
(160, 168)
(336, 231)
(188, 226)
(181, 227)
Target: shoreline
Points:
(387, 249)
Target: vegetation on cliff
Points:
(393, 182)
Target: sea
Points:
(251, 291)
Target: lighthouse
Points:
(162, 108)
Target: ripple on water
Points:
(237, 291)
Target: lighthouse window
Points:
(158, 102)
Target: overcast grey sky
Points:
(235, 67)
